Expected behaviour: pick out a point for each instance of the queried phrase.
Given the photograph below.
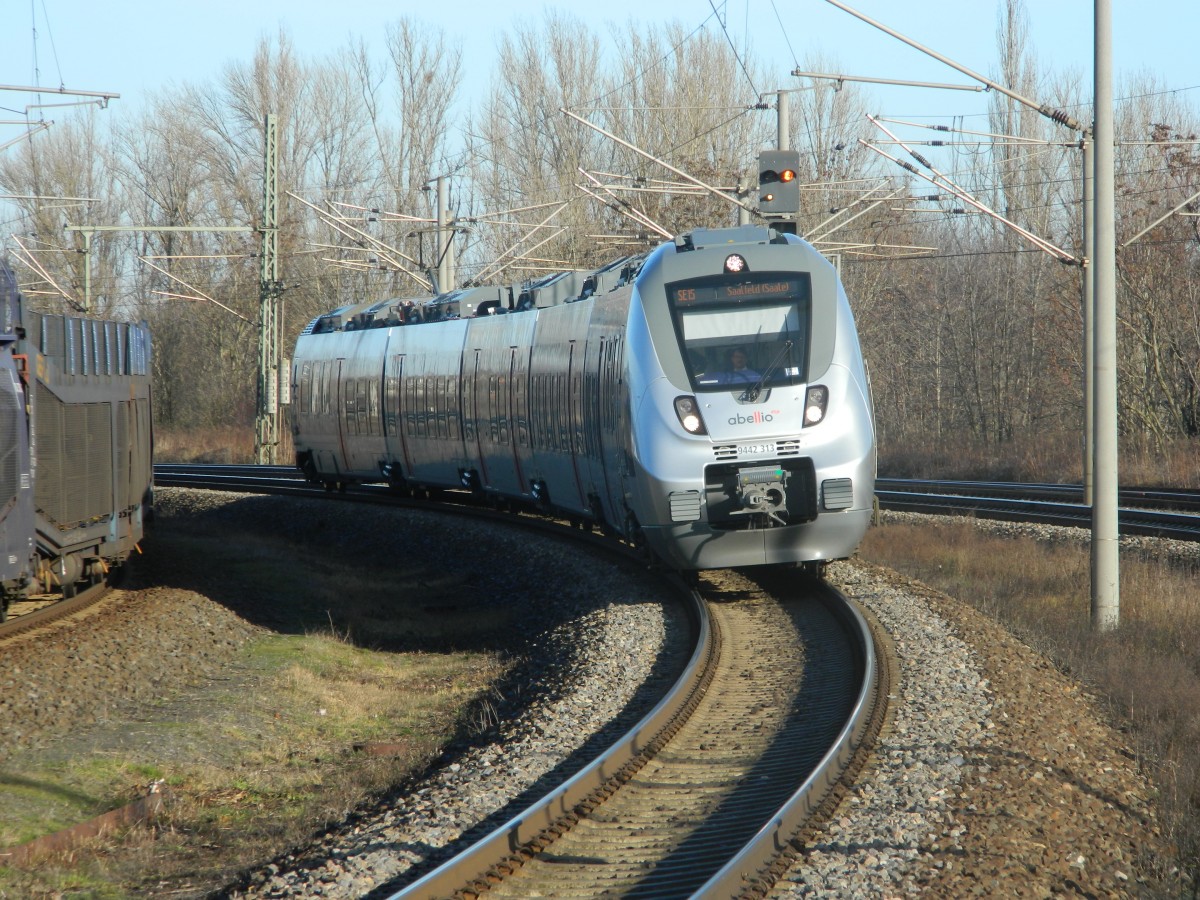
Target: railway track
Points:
(1182, 500)
(25, 616)
(1150, 513)
(707, 791)
(783, 688)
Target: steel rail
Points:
(750, 870)
(1143, 522)
(20, 624)
(741, 861)
(1013, 502)
(514, 841)
(1141, 497)
(507, 848)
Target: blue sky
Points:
(135, 48)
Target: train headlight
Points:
(815, 402)
(689, 415)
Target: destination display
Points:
(721, 291)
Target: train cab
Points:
(761, 366)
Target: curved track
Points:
(20, 621)
(706, 792)
(782, 695)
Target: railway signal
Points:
(778, 186)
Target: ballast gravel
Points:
(994, 776)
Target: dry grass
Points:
(1147, 672)
(227, 445)
(257, 766)
(1054, 458)
(262, 757)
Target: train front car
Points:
(753, 436)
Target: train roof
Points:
(700, 238)
(552, 289)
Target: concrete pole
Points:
(784, 119)
(451, 259)
(1089, 315)
(1106, 592)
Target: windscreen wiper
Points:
(750, 394)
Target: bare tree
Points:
(65, 177)
(686, 98)
(525, 153)
(1159, 304)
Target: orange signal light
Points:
(787, 175)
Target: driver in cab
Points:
(737, 373)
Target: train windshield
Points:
(738, 332)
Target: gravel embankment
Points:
(137, 646)
(995, 776)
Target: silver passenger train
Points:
(708, 400)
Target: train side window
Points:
(563, 426)
(373, 406)
(453, 406)
(431, 426)
(535, 412)
(391, 394)
(348, 403)
(575, 422)
(410, 404)
(443, 428)
(549, 436)
(419, 410)
(316, 401)
(354, 406)
(521, 410)
(492, 429)
(502, 408)
(545, 425)
(303, 392)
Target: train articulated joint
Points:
(540, 492)
(393, 475)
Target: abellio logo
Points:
(756, 419)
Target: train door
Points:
(607, 445)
